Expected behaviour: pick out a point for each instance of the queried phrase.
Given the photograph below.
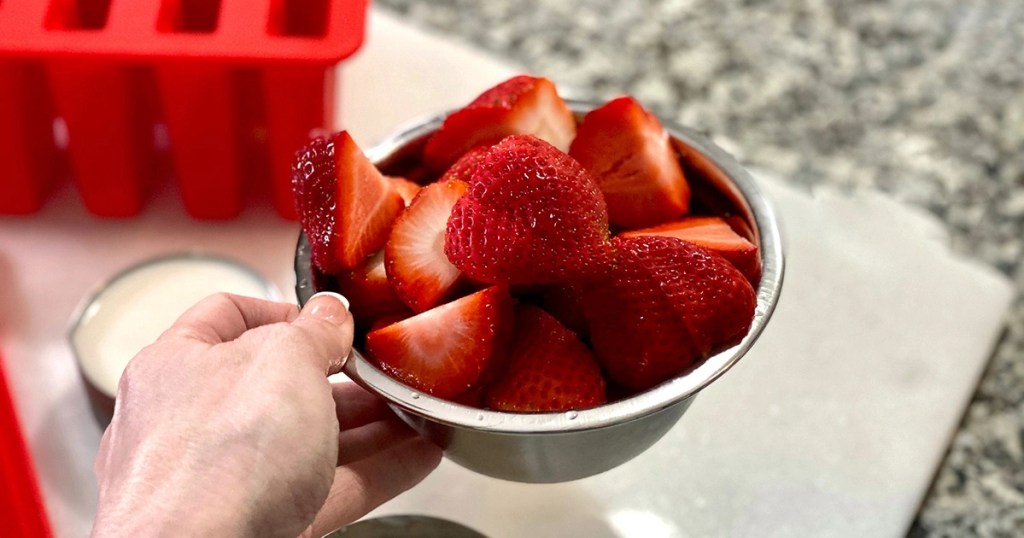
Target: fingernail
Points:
(328, 306)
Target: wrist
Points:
(163, 512)
(165, 521)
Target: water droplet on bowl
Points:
(415, 396)
(571, 415)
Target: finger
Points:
(355, 407)
(326, 324)
(366, 484)
(223, 317)
(364, 441)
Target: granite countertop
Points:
(922, 99)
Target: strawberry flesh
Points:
(627, 151)
(367, 204)
(667, 305)
(713, 233)
(416, 263)
(405, 188)
(446, 351)
(520, 105)
(548, 369)
(532, 215)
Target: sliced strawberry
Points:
(368, 290)
(627, 151)
(520, 105)
(445, 351)
(417, 266)
(712, 233)
(667, 305)
(548, 369)
(532, 215)
(405, 188)
(367, 204)
(315, 185)
(742, 227)
(345, 205)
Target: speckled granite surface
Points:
(923, 99)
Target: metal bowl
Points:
(557, 447)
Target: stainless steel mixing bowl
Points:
(557, 447)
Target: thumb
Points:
(326, 323)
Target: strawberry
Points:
(417, 266)
(520, 105)
(532, 215)
(368, 290)
(667, 304)
(345, 205)
(314, 184)
(405, 188)
(463, 168)
(446, 350)
(712, 233)
(627, 151)
(548, 369)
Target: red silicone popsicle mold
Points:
(237, 85)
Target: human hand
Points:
(228, 426)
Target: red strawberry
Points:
(314, 183)
(520, 105)
(667, 305)
(463, 168)
(417, 266)
(369, 291)
(532, 215)
(405, 188)
(548, 369)
(627, 151)
(715, 234)
(345, 205)
(445, 351)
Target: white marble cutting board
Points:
(831, 426)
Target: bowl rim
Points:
(635, 407)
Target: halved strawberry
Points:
(315, 185)
(405, 188)
(369, 292)
(548, 369)
(520, 105)
(417, 267)
(345, 205)
(713, 233)
(532, 215)
(445, 351)
(667, 305)
(627, 151)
